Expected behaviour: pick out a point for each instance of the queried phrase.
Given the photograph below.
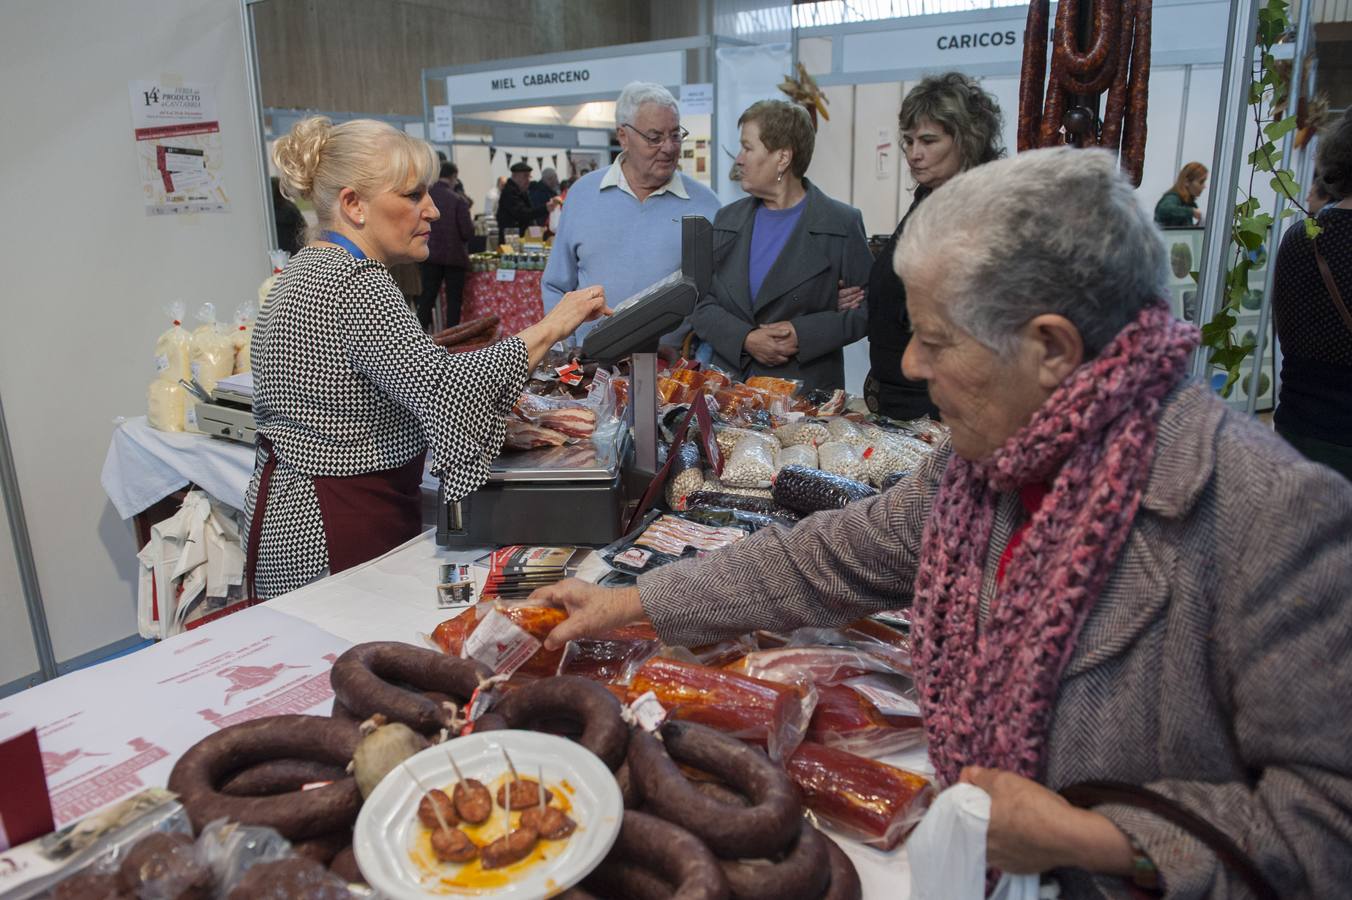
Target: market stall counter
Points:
(110, 731)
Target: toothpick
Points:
(540, 789)
(459, 776)
(507, 807)
(436, 810)
(515, 777)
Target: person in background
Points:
(349, 394)
(290, 221)
(1313, 317)
(447, 249)
(494, 195)
(780, 257)
(621, 226)
(1317, 197)
(1178, 206)
(948, 125)
(515, 208)
(543, 191)
(1111, 575)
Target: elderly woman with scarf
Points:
(1112, 576)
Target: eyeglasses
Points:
(657, 139)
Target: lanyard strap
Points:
(334, 237)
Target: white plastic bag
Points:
(241, 337)
(947, 851)
(173, 348)
(213, 350)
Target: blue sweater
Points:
(608, 237)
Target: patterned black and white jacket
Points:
(346, 383)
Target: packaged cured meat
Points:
(810, 490)
(774, 715)
(889, 646)
(517, 634)
(846, 719)
(569, 417)
(612, 661)
(714, 381)
(804, 431)
(819, 664)
(213, 350)
(751, 464)
(865, 799)
(798, 455)
(523, 435)
(173, 348)
(241, 338)
(664, 538)
(781, 386)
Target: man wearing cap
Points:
(514, 206)
(621, 226)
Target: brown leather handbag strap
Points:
(1332, 285)
(1087, 794)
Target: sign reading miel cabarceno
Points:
(589, 78)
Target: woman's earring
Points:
(779, 177)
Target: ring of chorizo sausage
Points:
(571, 697)
(762, 830)
(363, 682)
(390, 677)
(199, 773)
(280, 776)
(665, 855)
(801, 875)
(844, 883)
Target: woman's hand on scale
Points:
(572, 310)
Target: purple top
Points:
(769, 233)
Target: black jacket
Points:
(515, 210)
(886, 390)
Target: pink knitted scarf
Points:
(987, 690)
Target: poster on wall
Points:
(883, 155)
(178, 147)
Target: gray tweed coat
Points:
(1215, 667)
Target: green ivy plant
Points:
(1250, 227)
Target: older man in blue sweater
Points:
(620, 226)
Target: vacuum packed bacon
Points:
(867, 800)
(775, 715)
(522, 435)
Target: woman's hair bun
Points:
(297, 155)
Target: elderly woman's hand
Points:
(849, 297)
(1033, 829)
(591, 609)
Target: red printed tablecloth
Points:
(516, 303)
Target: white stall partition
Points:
(90, 269)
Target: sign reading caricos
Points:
(587, 77)
(977, 39)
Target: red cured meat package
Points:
(865, 799)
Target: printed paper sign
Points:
(178, 147)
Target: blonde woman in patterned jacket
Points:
(1111, 575)
(349, 393)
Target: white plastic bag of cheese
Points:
(947, 851)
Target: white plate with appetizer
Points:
(468, 819)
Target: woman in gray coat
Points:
(1111, 575)
(781, 258)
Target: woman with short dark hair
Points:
(1312, 316)
(948, 125)
(780, 257)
